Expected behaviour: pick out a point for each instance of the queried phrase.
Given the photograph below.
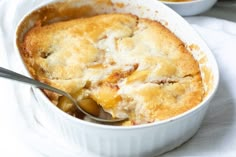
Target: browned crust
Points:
(59, 54)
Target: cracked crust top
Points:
(130, 66)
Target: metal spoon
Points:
(5, 73)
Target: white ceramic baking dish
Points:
(143, 140)
(191, 8)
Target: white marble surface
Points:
(21, 135)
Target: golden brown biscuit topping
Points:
(130, 66)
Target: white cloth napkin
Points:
(22, 135)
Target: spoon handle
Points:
(5, 73)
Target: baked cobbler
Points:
(132, 67)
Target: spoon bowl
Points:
(5, 73)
